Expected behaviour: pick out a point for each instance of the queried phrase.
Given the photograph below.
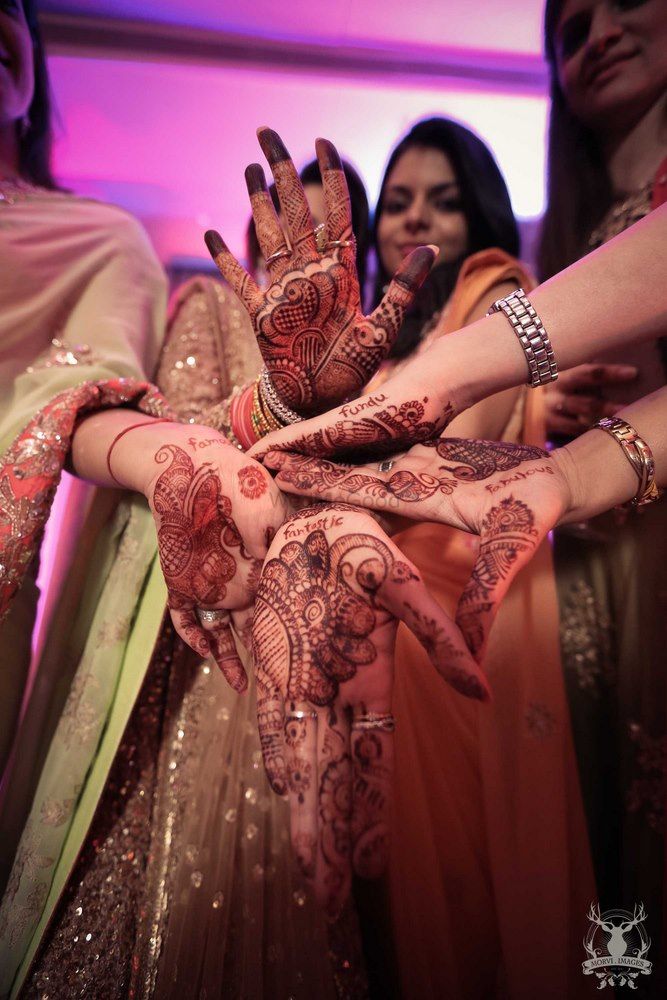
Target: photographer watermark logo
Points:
(617, 943)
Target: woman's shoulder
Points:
(492, 265)
(77, 217)
(481, 276)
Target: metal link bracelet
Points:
(533, 338)
(638, 454)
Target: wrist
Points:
(480, 360)
(598, 475)
(131, 454)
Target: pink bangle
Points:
(126, 430)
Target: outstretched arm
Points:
(616, 295)
(510, 495)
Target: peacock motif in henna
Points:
(471, 461)
(507, 533)
(198, 556)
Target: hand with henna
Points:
(216, 512)
(332, 591)
(316, 343)
(510, 495)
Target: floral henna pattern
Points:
(507, 534)
(471, 461)
(194, 549)
(319, 602)
(252, 482)
(316, 344)
(386, 431)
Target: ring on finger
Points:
(375, 720)
(386, 466)
(297, 715)
(284, 252)
(320, 233)
(333, 244)
(212, 616)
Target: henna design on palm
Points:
(316, 343)
(325, 621)
(507, 536)
(313, 596)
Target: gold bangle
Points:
(640, 457)
(261, 423)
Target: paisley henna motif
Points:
(507, 535)
(194, 549)
(318, 476)
(323, 605)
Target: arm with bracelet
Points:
(613, 296)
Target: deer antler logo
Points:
(618, 959)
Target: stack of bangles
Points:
(254, 411)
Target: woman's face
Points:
(611, 57)
(421, 204)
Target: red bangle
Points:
(239, 418)
(126, 430)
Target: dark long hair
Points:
(579, 190)
(36, 139)
(360, 217)
(486, 206)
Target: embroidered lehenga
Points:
(612, 586)
(151, 860)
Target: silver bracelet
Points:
(279, 410)
(534, 339)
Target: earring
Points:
(24, 126)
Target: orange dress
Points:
(490, 876)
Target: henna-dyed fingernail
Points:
(327, 155)
(214, 242)
(254, 178)
(417, 266)
(273, 147)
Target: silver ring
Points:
(333, 244)
(319, 232)
(298, 715)
(375, 720)
(386, 466)
(212, 616)
(277, 255)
